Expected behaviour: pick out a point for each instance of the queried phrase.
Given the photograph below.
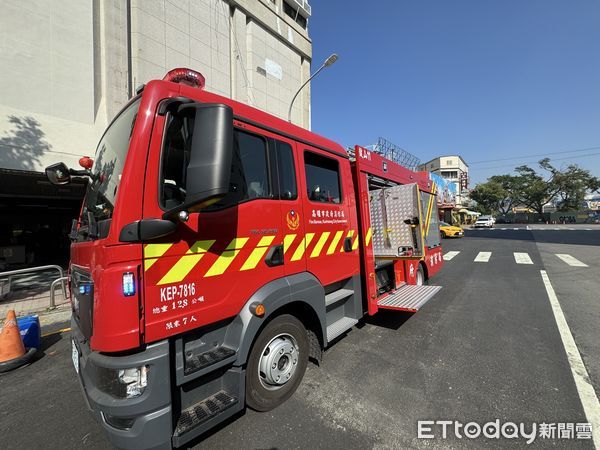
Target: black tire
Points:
(443, 234)
(260, 395)
(421, 273)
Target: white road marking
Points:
(587, 229)
(587, 395)
(572, 229)
(516, 229)
(449, 255)
(556, 229)
(503, 229)
(483, 257)
(570, 260)
(523, 258)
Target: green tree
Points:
(572, 184)
(568, 186)
(497, 194)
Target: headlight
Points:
(123, 383)
(135, 380)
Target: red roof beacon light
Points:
(186, 76)
(86, 162)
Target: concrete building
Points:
(455, 171)
(68, 67)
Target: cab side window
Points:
(175, 159)
(249, 177)
(322, 178)
(286, 172)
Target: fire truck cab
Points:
(219, 248)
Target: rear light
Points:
(186, 76)
(128, 284)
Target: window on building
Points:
(286, 172)
(449, 174)
(322, 178)
(295, 14)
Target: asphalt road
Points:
(486, 347)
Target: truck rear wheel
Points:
(421, 276)
(276, 363)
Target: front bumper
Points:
(149, 414)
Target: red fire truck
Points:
(220, 248)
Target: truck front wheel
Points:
(276, 363)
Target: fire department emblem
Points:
(293, 220)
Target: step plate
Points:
(198, 362)
(339, 327)
(206, 409)
(408, 298)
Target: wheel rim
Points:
(278, 362)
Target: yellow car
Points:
(447, 230)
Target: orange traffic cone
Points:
(11, 344)
(12, 350)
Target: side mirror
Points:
(209, 168)
(58, 174)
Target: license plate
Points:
(75, 356)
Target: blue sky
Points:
(485, 79)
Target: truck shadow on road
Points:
(391, 320)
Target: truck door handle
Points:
(348, 244)
(275, 256)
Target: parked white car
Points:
(484, 222)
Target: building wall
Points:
(47, 105)
(68, 66)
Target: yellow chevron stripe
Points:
(368, 236)
(302, 246)
(429, 210)
(186, 263)
(287, 241)
(334, 242)
(258, 253)
(350, 234)
(319, 245)
(355, 243)
(154, 251)
(227, 257)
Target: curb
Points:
(55, 316)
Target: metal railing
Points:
(13, 273)
(53, 290)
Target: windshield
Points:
(106, 173)
(444, 224)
